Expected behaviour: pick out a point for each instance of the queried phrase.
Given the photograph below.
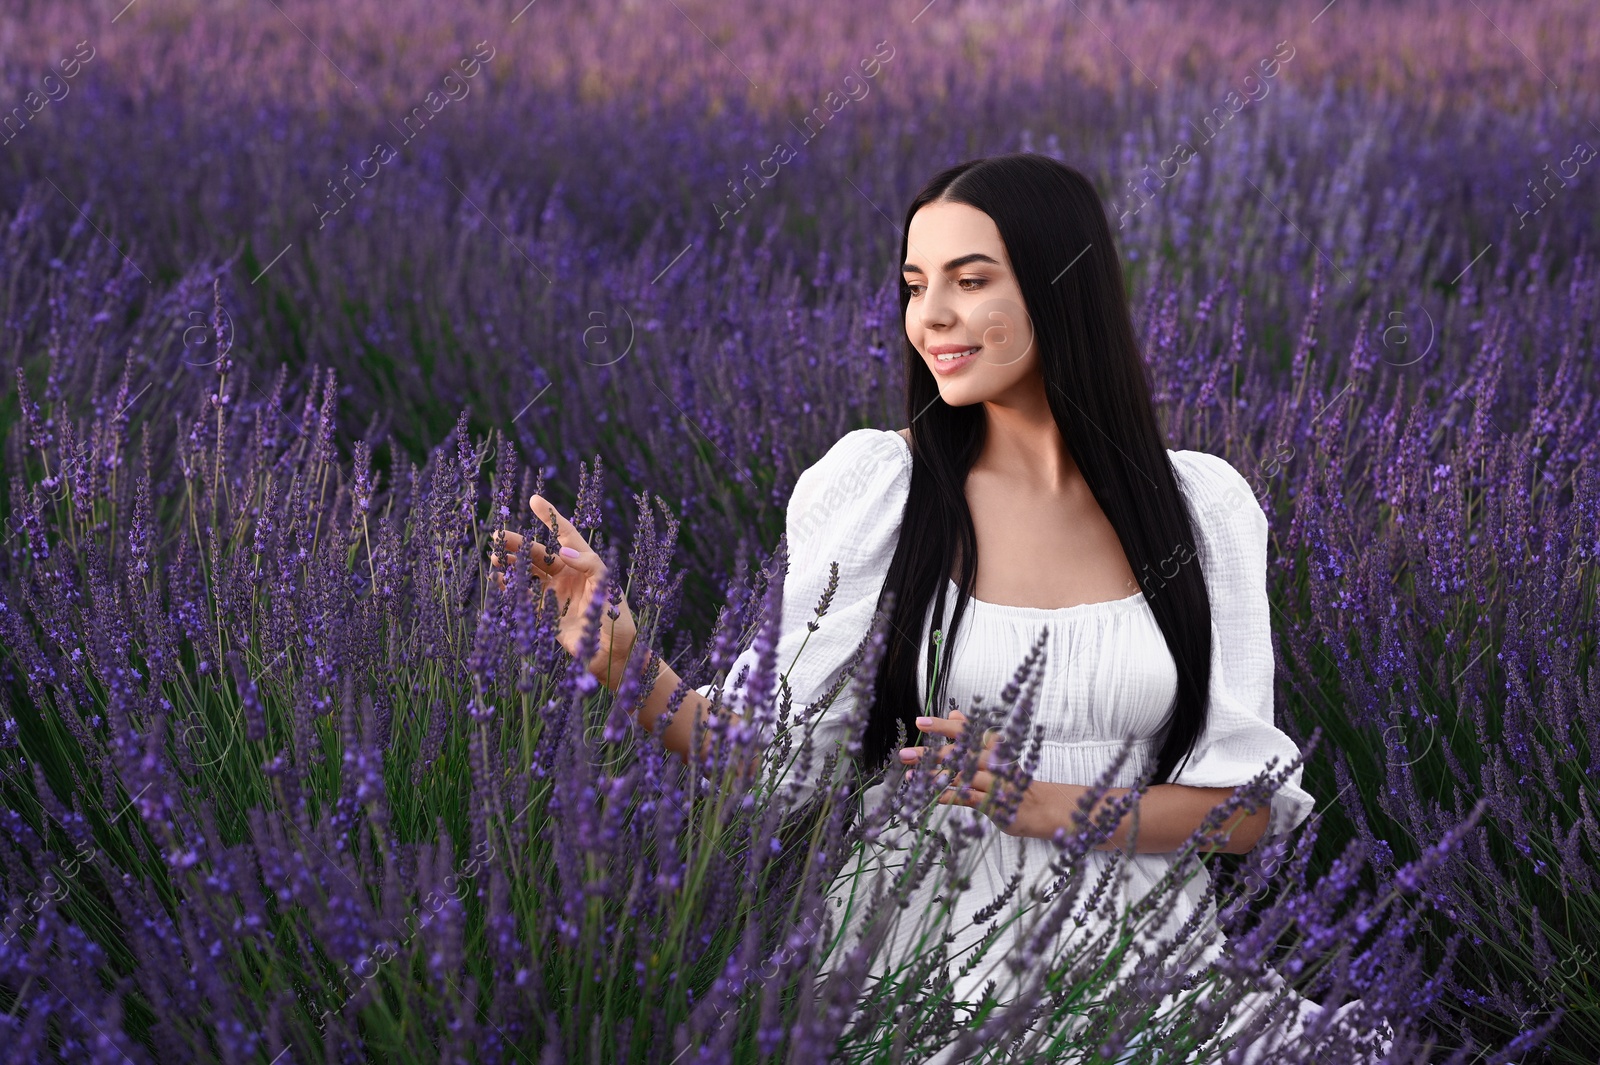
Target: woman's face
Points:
(963, 297)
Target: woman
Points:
(1032, 446)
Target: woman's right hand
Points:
(574, 574)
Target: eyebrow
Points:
(955, 264)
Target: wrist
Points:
(1073, 819)
(1071, 796)
(607, 666)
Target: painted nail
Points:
(924, 722)
(570, 553)
(908, 752)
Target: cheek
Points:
(1028, 346)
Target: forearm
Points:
(1168, 814)
(679, 733)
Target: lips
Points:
(949, 357)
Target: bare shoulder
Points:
(905, 433)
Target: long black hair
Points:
(1049, 216)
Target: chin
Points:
(963, 395)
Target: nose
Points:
(937, 309)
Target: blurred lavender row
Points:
(259, 701)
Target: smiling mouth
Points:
(954, 355)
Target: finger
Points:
(952, 730)
(542, 510)
(500, 579)
(962, 796)
(992, 760)
(537, 565)
(509, 546)
(501, 545)
(566, 534)
(951, 727)
(940, 726)
(982, 780)
(986, 759)
(914, 754)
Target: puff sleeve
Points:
(1240, 735)
(846, 507)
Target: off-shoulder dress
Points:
(1107, 675)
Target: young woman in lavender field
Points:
(1032, 447)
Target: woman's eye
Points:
(976, 283)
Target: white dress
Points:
(1107, 673)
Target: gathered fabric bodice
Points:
(1106, 675)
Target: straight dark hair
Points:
(1049, 216)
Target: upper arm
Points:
(844, 514)
(1240, 735)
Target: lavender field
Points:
(302, 302)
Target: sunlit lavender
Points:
(302, 302)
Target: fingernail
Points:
(570, 553)
(924, 722)
(908, 752)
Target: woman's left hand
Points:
(1044, 807)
